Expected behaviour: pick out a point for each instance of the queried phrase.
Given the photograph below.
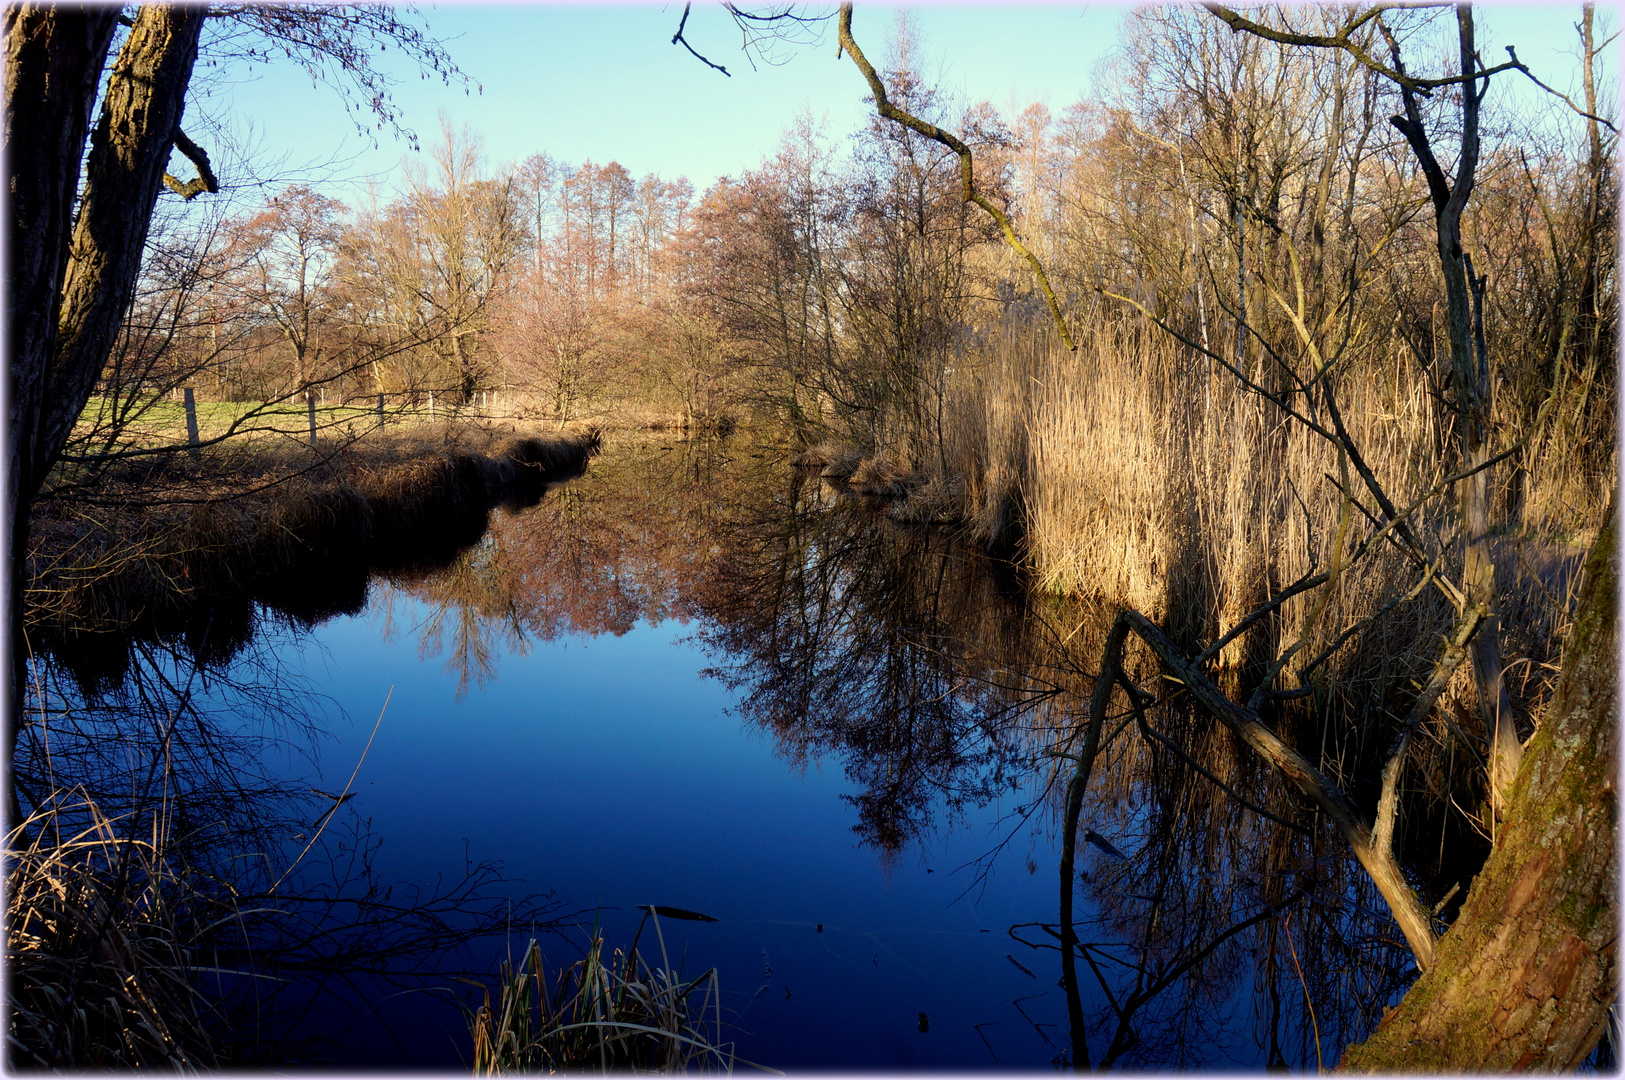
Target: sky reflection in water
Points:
(694, 679)
(607, 768)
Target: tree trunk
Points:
(141, 113)
(68, 295)
(1470, 371)
(54, 58)
(1525, 978)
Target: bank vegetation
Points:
(1319, 374)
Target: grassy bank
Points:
(190, 545)
(160, 423)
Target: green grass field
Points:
(163, 423)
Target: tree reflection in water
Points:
(1219, 919)
(1226, 924)
(628, 541)
(898, 651)
(1211, 922)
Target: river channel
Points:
(697, 678)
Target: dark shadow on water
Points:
(313, 560)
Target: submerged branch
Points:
(1332, 800)
(1450, 658)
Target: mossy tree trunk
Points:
(1525, 977)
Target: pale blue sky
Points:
(604, 81)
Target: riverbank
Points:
(190, 545)
(157, 903)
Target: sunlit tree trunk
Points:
(1525, 978)
(1471, 378)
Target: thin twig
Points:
(679, 39)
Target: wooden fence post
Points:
(191, 417)
(310, 411)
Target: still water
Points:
(695, 678)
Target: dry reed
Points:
(101, 955)
(840, 460)
(618, 1014)
(1131, 473)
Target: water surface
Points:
(698, 679)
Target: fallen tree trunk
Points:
(1525, 977)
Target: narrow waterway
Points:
(695, 678)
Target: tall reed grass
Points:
(101, 947)
(1134, 473)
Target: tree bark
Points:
(141, 113)
(68, 293)
(54, 58)
(1525, 977)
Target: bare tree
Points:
(293, 246)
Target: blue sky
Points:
(604, 81)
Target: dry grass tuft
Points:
(884, 479)
(101, 971)
(840, 460)
(935, 500)
(601, 1015)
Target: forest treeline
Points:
(1238, 191)
(1236, 222)
(468, 280)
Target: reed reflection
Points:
(1216, 919)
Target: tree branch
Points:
(205, 181)
(1245, 722)
(1343, 40)
(1450, 658)
(1564, 98)
(679, 39)
(967, 177)
(1309, 581)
